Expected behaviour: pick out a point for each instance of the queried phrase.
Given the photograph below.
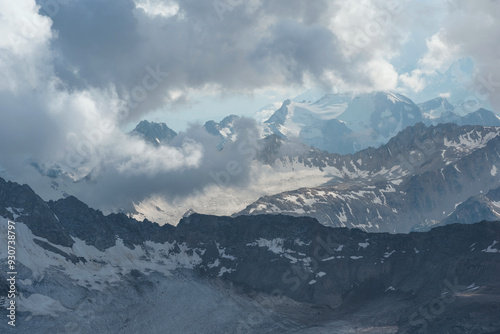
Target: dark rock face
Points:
(270, 149)
(279, 117)
(20, 201)
(349, 258)
(154, 133)
(414, 150)
(224, 129)
(313, 274)
(101, 231)
(215, 128)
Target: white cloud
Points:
(158, 7)
(24, 46)
(413, 80)
(439, 57)
(382, 74)
(469, 29)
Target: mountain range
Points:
(418, 178)
(79, 271)
(366, 214)
(346, 124)
(342, 124)
(363, 151)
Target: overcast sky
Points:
(71, 68)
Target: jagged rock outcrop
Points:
(255, 274)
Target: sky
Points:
(77, 73)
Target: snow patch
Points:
(387, 254)
(490, 249)
(275, 245)
(110, 265)
(224, 270)
(38, 304)
(215, 264)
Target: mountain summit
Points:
(341, 123)
(154, 133)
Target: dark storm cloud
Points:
(103, 43)
(97, 38)
(298, 50)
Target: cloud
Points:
(158, 7)
(413, 80)
(439, 57)
(25, 50)
(187, 166)
(468, 30)
(74, 71)
(256, 44)
(474, 28)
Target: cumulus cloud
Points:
(74, 71)
(251, 45)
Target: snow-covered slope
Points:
(439, 110)
(84, 272)
(285, 160)
(436, 108)
(341, 123)
(282, 166)
(419, 177)
(344, 123)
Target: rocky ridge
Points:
(290, 273)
